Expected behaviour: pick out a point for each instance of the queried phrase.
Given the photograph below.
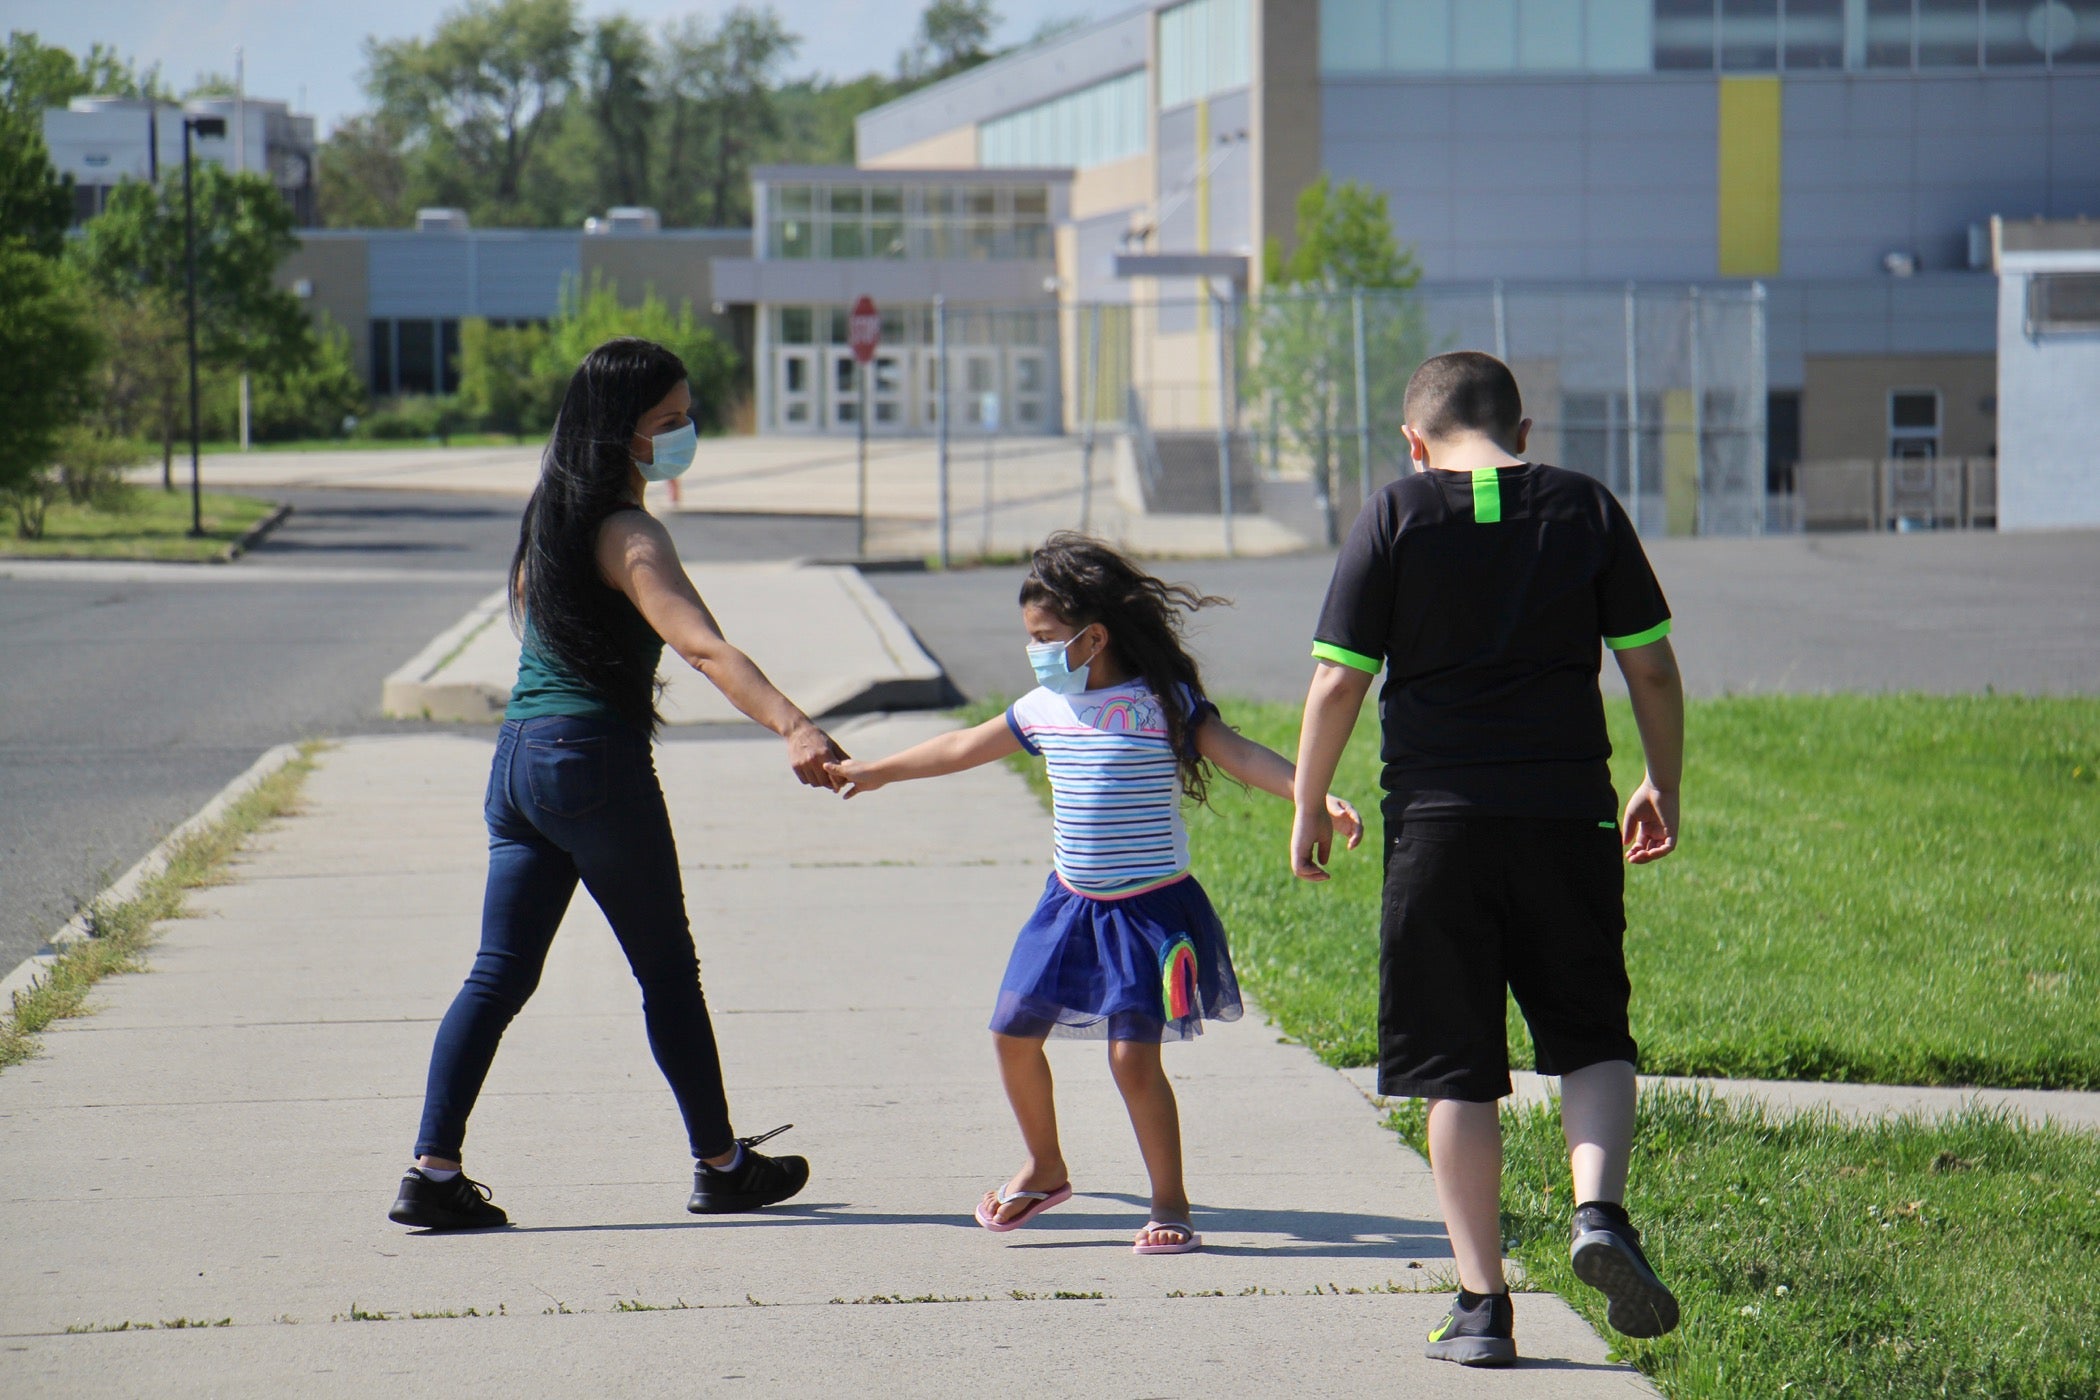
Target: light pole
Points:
(202, 126)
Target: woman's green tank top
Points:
(547, 687)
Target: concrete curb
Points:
(153, 863)
(413, 692)
(254, 535)
(2062, 1108)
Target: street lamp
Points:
(202, 126)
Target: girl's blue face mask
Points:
(1052, 669)
(671, 453)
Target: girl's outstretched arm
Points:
(1259, 766)
(946, 753)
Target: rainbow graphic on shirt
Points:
(1178, 978)
(1119, 716)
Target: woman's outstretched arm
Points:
(940, 755)
(636, 556)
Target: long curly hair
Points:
(1084, 581)
(584, 474)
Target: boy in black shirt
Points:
(1482, 585)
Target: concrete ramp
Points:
(818, 632)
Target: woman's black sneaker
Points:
(1482, 1335)
(757, 1181)
(458, 1204)
(1607, 1256)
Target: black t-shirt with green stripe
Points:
(1484, 595)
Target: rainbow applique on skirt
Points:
(1152, 966)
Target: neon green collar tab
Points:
(1487, 496)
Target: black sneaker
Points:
(1484, 1335)
(458, 1204)
(1607, 1256)
(759, 1181)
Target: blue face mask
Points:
(1053, 671)
(672, 453)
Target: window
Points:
(1619, 36)
(1549, 35)
(1890, 37)
(1484, 36)
(1353, 36)
(2063, 301)
(1095, 125)
(1750, 35)
(797, 326)
(382, 357)
(416, 358)
(1914, 422)
(1949, 33)
(1684, 34)
(1814, 34)
(1203, 48)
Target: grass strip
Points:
(121, 933)
(1889, 889)
(153, 524)
(1818, 1257)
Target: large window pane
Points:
(418, 357)
(2082, 44)
(1750, 35)
(1684, 34)
(1889, 33)
(1352, 36)
(2005, 40)
(1418, 36)
(847, 241)
(789, 199)
(1549, 34)
(1484, 36)
(1815, 34)
(1619, 36)
(848, 199)
(1948, 32)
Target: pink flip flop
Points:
(1188, 1244)
(1038, 1202)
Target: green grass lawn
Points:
(1887, 889)
(154, 525)
(1818, 1258)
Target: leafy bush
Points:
(415, 416)
(591, 314)
(308, 399)
(503, 382)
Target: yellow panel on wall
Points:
(1748, 170)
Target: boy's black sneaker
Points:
(1607, 1256)
(458, 1204)
(1482, 1335)
(758, 1181)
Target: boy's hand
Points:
(1312, 838)
(1650, 829)
(852, 777)
(1346, 821)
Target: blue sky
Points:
(314, 47)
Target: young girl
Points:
(1124, 945)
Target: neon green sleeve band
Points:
(1342, 656)
(1639, 639)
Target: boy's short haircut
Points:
(1464, 392)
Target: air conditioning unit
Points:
(626, 218)
(441, 221)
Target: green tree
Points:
(36, 203)
(364, 175)
(953, 35)
(305, 400)
(244, 231)
(48, 351)
(720, 81)
(591, 314)
(476, 99)
(35, 75)
(141, 389)
(1345, 262)
(620, 81)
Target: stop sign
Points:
(864, 329)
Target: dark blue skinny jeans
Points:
(572, 799)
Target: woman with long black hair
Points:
(597, 591)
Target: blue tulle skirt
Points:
(1149, 967)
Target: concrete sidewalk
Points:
(221, 1140)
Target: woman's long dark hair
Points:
(1084, 581)
(554, 578)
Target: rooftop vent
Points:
(626, 218)
(441, 221)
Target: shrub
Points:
(591, 314)
(415, 416)
(504, 382)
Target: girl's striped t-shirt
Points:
(1115, 785)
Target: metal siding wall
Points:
(520, 275)
(419, 276)
(1232, 183)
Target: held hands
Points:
(1313, 832)
(1650, 829)
(850, 777)
(810, 753)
